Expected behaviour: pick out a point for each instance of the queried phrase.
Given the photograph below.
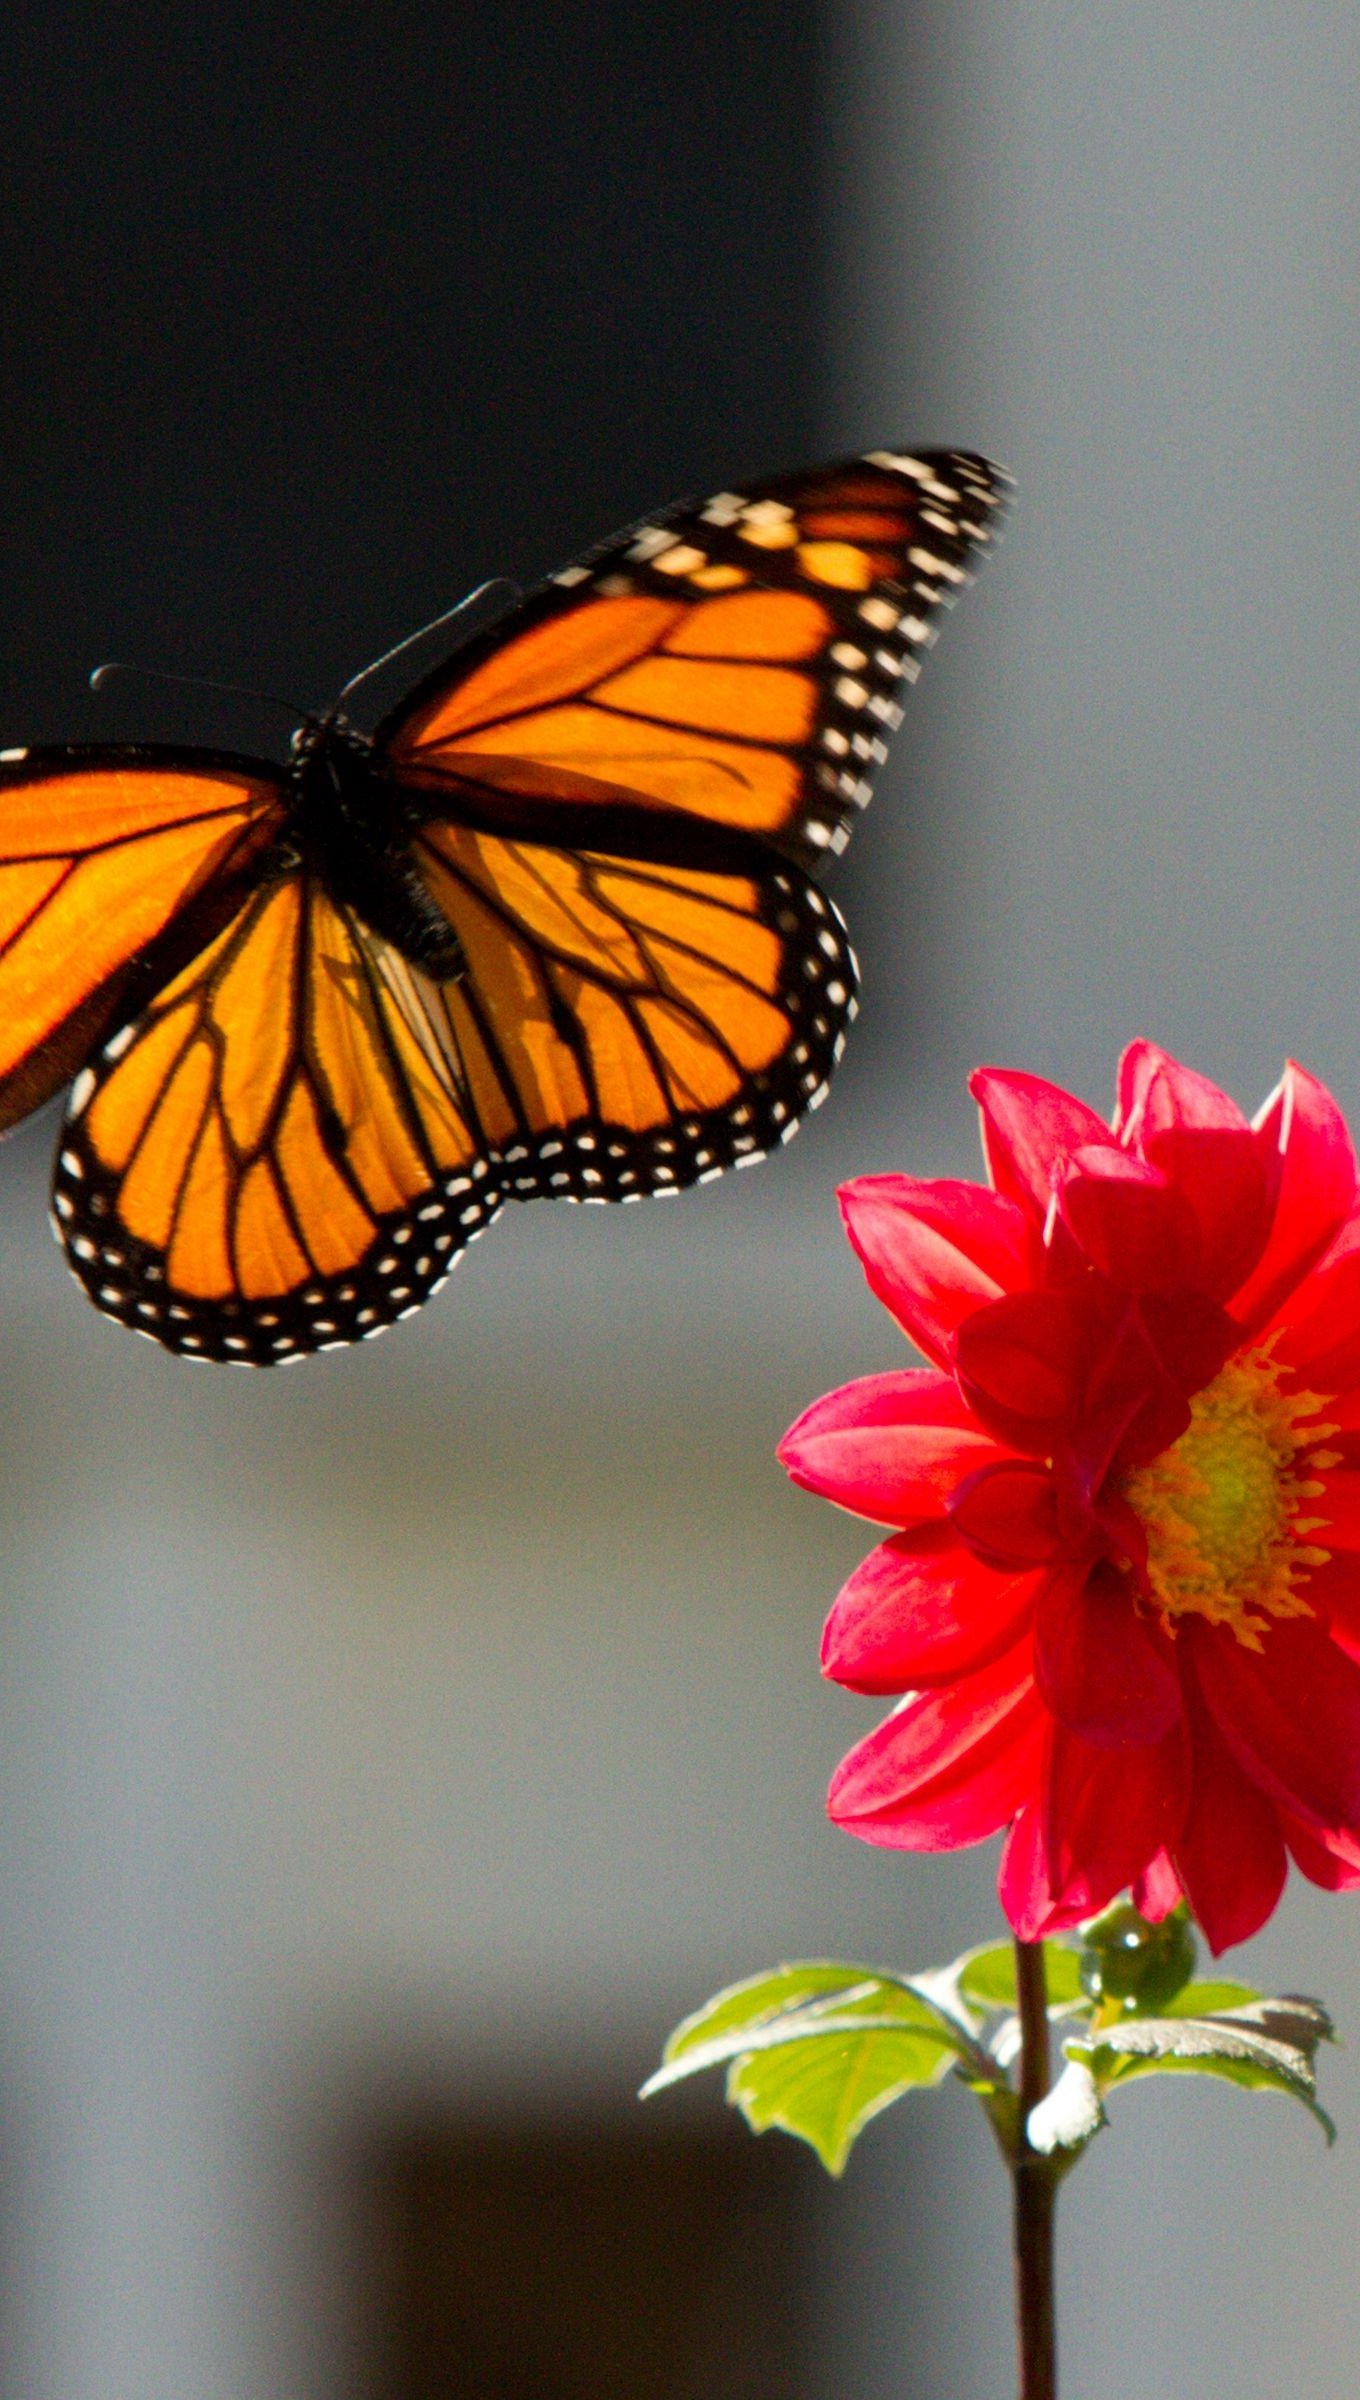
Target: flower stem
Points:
(1036, 2190)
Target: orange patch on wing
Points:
(756, 702)
(60, 816)
(381, 1144)
(855, 525)
(757, 625)
(551, 662)
(251, 1009)
(736, 891)
(718, 579)
(150, 1190)
(751, 1027)
(494, 1112)
(516, 1003)
(723, 935)
(546, 892)
(121, 1108)
(841, 565)
(268, 1260)
(199, 1263)
(720, 781)
(23, 889)
(107, 909)
(699, 1074)
(627, 1090)
(336, 1229)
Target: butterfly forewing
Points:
(737, 660)
(279, 1156)
(627, 1027)
(104, 854)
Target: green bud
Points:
(1139, 1967)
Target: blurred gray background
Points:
(408, 1741)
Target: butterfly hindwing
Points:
(628, 1026)
(738, 661)
(277, 1156)
(108, 857)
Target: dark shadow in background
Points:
(619, 2262)
(318, 316)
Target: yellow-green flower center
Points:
(1222, 1507)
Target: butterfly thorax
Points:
(352, 829)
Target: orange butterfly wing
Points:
(110, 859)
(278, 1156)
(628, 1025)
(736, 661)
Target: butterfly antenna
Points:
(199, 683)
(506, 595)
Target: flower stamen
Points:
(1222, 1507)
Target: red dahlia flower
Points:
(1122, 1599)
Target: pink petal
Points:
(1338, 1506)
(1007, 1513)
(1224, 1171)
(1290, 1714)
(1193, 1335)
(1305, 1130)
(1317, 1326)
(1230, 1852)
(1024, 1362)
(1129, 1221)
(1022, 1885)
(1102, 1670)
(933, 1252)
(1132, 1408)
(1156, 1095)
(1331, 1859)
(1071, 1370)
(1107, 1813)
(1334, 1591)
(1227, 1180)
(1029, 1128)
(1105, 1816)
(889, 1447)
(949, 1767)
(921, 1610)
(1157, 1890)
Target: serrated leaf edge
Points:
(1286, 2065)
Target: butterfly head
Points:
(331, 731)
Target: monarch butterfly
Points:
(549, 930)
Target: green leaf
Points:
(819, 2048)
(826, 2090)
(759, 1998)
(986, 1977)
(1262, 2046)
(1209, 1999)
(809, 2001)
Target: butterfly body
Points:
(351, 826)
(550, 931)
